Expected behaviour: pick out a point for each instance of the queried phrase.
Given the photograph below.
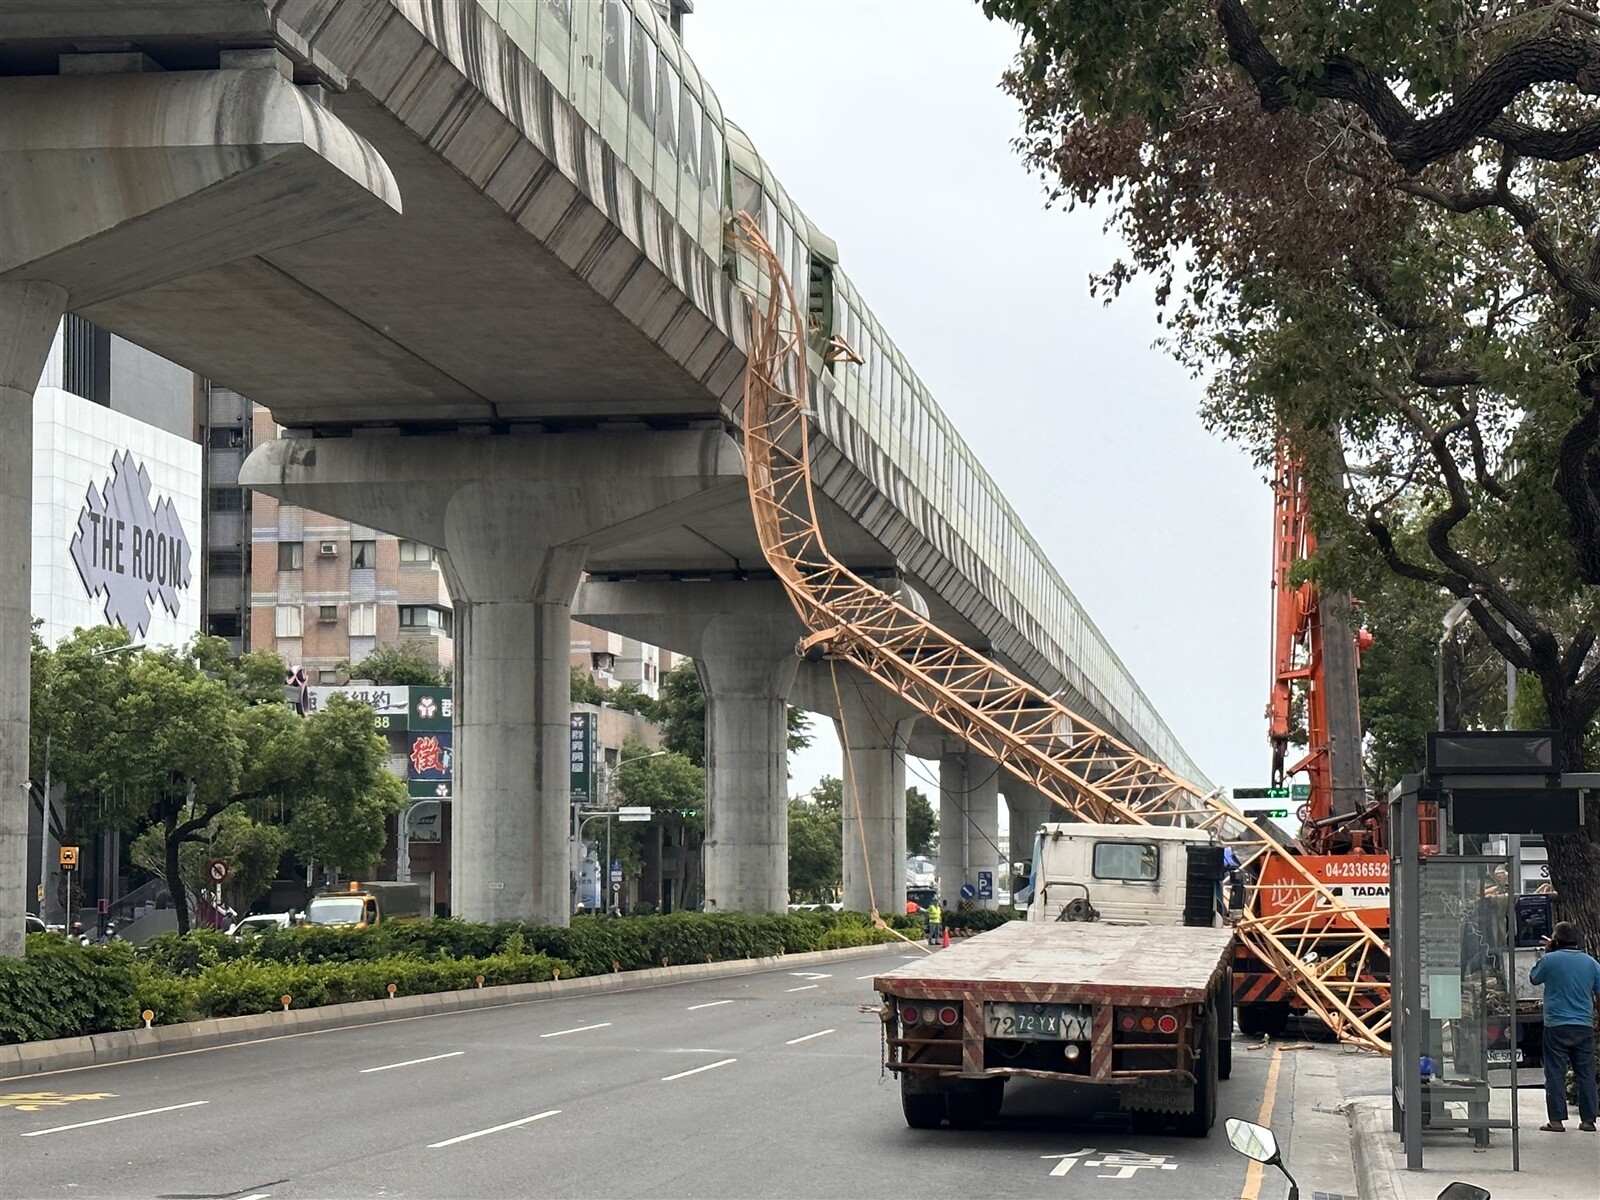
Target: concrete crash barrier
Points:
(103, 1049)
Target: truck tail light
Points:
(1146, 1024)
(909, 1014)
(1167, 1023)
(949, 1015)
(1129, 1022)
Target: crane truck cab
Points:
(362, 905)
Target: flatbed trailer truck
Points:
(1119, 978)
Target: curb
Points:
(124, 1045)
(1371, 1149)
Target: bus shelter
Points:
(1455, 927)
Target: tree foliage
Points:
(161, 744)
(400, 664)
(816, 860)
(922, 823)
(1372, 229)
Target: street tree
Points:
(816, 863)
(673, 787)
(251, 849)
(1372, 230)
(922, 823)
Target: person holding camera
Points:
(1571, 981)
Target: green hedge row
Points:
(62, 989)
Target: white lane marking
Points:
(809, 1036)
(578, 1029)
(467, 1137)
(874, 975)
(410, 1062)
(708, 1004)
(697, 1070)
(149, 1112)
(807, 988)
(256, 1196)
(811, 974)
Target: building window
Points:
(224, 625)
(363, 620)
(415, 552)
(286, 620)
(290, 555)
(425, 616)
(226, 562)
(603, 661)
(225, 437)
(327, 614)
(227, 499)
(363, 555)
(328, 676)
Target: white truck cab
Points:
(1120, 874)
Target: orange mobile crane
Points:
(1342, 831)
(1324, 950)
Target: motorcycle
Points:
(1257, 1142)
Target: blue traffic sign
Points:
(968, 892)
(985, 885)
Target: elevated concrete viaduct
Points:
(444, 270)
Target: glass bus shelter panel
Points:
(1464, 947)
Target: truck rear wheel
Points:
(966, 1110)
(923, 1110)
(1270, 1018)
(1199, 1122)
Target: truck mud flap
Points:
(1174, 1094)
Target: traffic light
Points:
(1262, 793)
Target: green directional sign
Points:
(1300, 791)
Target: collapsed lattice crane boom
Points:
(1318, 945)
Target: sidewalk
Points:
(1555, 1166)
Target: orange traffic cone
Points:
(944, 942)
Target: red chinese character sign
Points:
(431, 759)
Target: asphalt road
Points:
(760, 1085)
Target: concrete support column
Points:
(954, 825)
(746, 671)
(29, 313)
(983, 824)
(969, 823)
(513, 604)
(1028, 810)
(516, 515)
(741, 636)
(874, 727)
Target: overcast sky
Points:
(885, 122)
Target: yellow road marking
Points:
(35, 1101)
(1252, 1176)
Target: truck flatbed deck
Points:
(1075, 961)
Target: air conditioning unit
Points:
(327, 549)
(327, 614)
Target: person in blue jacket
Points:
(1571, 981)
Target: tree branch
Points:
(1475, 111)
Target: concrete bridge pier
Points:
(116, 177)
(29, 313)
(969, 822)
(874, 729)
(741, 636)
(516, 515)
(1028, 809)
